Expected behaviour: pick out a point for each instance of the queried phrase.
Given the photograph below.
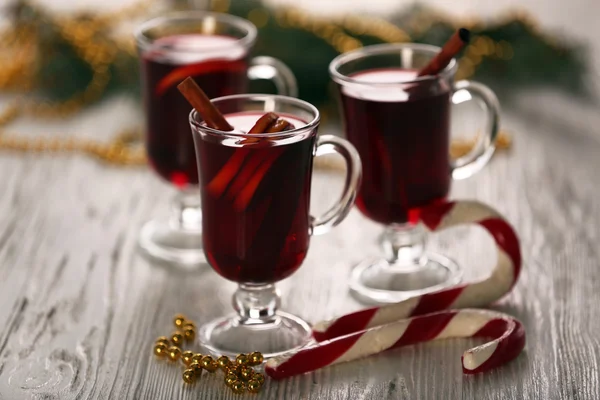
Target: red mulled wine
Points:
(255, 202)
(402, 137)
(217, 63)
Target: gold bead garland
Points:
(239, 375)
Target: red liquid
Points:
(403, 143)
(169, 142)
(265, 239)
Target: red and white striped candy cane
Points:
(476, 294)
(508, 342)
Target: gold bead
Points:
(189, 334)
(179, 320)
(197, 358)
(230, 378)
(224, 363)
(246, 373)
(258, 377)
(186, 357)
(256, 358)
(174, 353)
(163, 339)
(234, 369)
(177, 338)
(197, 368)
(241, 359)
(209, 364)
(254, 386)
(238, 386)
(160, 350)
(189, 325)
(189, 376)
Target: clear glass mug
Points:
(214, 49)
(255, 193)
(400, 125)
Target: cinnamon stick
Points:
(201, 103)
(268, 123)
(264, 123)
(451, 48)
(243, 190)
(280, 125)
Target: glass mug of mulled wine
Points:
(400, 124)
(214, 49)
(255, 191)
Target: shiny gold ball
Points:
(197, 358)
(238, 386)
(256, 358)
(197, 368)
(189, 334)
(160, 350)
(189, 376)
(177, 338)
(230, 378)
(179, 321)
(189, 325)
(241, 359)
(224, 363)
(258, 377)
(163, 339)
(254, 386)
(209, 364)
(246, 373)
(174, 353)
(186, 357)
(234, 369)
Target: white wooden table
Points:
(80, 308)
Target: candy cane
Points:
(508, 342)
(476, 294)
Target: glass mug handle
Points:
(329, 144)
(483, 150)
(269, 68)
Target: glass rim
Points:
(379, 49)
(259, 97)
(249, 38)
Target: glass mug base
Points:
(232, 335)
(376, 281)
(180, 248)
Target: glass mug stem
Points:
(256, 304)
(186, 212)
(404, 246)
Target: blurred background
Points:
(67, 65)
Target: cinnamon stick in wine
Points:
(264, 123)
(244, 195)
(280, 125)
(201, 103)
(268, 123)
(451, 48)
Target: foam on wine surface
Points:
(244, 121)
(392, 92)
(194, 48)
